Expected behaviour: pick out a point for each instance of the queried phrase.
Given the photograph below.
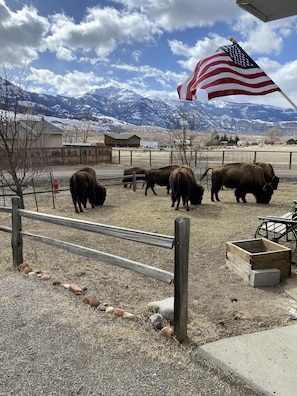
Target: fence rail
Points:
(180, 243)
(281, 159)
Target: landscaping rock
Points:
(92, 301)
(157, 321)
(22, 266)
(118, 311)
(128, 315)
(164, 307)
(166, 332)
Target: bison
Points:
(244, 177)
(100, 190)
(158, 176)
(269, 174)
(183, 185)
(139, 173)
(84, 187)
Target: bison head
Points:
(197, 194)
(100, 194)
(274, 182)
(264, 195)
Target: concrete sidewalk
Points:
(266, 361)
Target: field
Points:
(221, 304)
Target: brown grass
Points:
(221, 304)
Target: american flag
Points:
(229, 71)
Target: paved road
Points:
(107, 172)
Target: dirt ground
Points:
(221, 304)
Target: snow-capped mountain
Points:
(130, 108)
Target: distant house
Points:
(291, 141)
(121, 140)
(50, 135)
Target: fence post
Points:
(181, 258)
(290, 160)
(16, 237)
(134, 181)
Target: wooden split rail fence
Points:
(179, 242)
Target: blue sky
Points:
(71, 47)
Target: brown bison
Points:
(244, 177)
(84, 187)
(269, 174)
(100, 190)
(128, 175)
(183, 185)
(158, 176)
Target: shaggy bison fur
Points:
(158, 176)
(244, 178)
(183, 186)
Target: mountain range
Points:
(114, 106)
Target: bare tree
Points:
(71, 133)
(19, 135)
(273, 134)
(182, 139)
(78, 132)
(84, 129)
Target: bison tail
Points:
(204, 174)
(73, 185)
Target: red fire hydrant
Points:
(56, 185)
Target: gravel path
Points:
(53, 344)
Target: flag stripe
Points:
(221, 75)
(226, 78)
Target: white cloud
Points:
(71, 84)
(171, 15)
(102, 30)
(21, 33)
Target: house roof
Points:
(42, 125)
(269, 10)
(121, 136)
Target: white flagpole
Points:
(281, 91)
(288, 99)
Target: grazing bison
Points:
(128, 175)
(269, 174)
(100, 191)
(183, 185)
(158, 176)
(244, 177)
(82, 188)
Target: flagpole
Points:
(288, 99)
(233, 41)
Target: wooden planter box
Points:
(260, 253)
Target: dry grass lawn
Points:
(221, 304)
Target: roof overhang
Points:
(269, 10)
